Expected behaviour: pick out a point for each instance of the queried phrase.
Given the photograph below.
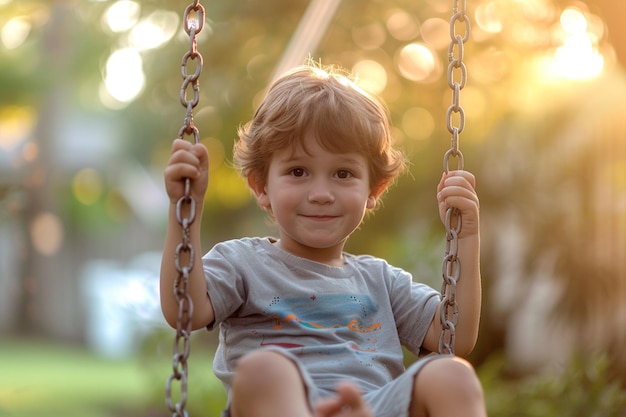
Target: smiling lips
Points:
(319, 217)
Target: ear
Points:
(259, 189)
(375, 194)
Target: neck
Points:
(328, 256)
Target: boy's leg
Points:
(447, 387)
(268, 384)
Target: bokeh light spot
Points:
(87, 186)
(372, 76)
(436, 32)
(122, 15)
(46, 233)
(488, 17)
(416, 62)
(124, 77)
(369, 37)
(154, 31)
(15, 32)
(573, 21)
(402, 25)
(578, 58)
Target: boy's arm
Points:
(457, 189)
(186, 161)
(468, 296)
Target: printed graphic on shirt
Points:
(348, 313)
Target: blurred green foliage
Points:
(583, 388)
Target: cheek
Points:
(280, 198)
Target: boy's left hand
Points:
(458, 189)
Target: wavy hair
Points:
(324, 103)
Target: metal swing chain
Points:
(193, 22)
(451, 268)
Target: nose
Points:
(321, 193)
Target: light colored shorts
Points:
(391, 400)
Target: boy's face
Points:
(318, 198)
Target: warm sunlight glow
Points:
(372, 76)
(488, 17)
(124, 76)
(154, 31)
(536, 10)
(416, 62)
(418, 123)
(15, 32)
(402, 25)
(369, 37)
(578, 58)
(122, 15)
(573, 22)
(436, 32)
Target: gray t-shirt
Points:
(341, 322)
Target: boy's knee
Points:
(258, 367)
(448, 375)
(261, 363)
(264, 377)
(447, 386)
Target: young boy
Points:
(305, 328)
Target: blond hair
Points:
(325, 103)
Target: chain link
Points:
(451, 268)
(193, 22)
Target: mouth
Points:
(319, 217)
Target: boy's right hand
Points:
(191, 161)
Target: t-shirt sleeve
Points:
(225, 284)
(414, 306)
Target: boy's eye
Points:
(344, 173)
(297, 172)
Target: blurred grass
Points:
(40, 379)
